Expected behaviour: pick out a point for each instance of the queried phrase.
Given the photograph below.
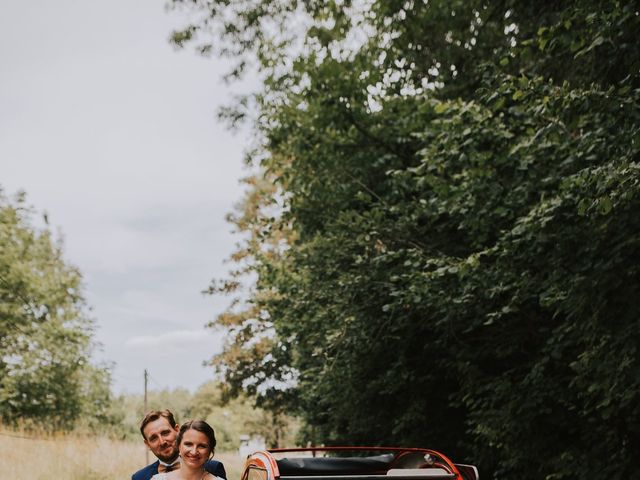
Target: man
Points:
(159, 430)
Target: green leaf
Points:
(604, 205)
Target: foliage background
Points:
(47, 376)
(441, 226)
(230, 417)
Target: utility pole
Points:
(146, 381)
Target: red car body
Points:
(354, 463)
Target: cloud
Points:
(177, 339)
(131, 166)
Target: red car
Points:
(354, 463)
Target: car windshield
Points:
(346, 461)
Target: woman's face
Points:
(194, 448)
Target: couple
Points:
(183, 452)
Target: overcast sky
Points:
(113, 133)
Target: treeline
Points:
(443, 226)
(230, 417)
(48, 379)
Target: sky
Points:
(113, 133)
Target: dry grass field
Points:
(67, 457)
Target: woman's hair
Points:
(200, 426)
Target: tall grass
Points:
(71, 457)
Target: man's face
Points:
(160, 437)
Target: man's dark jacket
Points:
(211, 466)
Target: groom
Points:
(159, 430)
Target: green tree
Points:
(47, 378)
(230, 417)
(442, 229)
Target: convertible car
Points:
(354, 463)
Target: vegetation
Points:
(442, 226)
(36, 452)
(48, 383)
(47, 379)
(230, 417)
(76, 457)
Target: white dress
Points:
(163, 476)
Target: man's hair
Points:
(200, 426)
(154, 415)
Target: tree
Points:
(230, 417)
(456, 183)
(45, 332)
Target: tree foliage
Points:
(444, 237)
(47, 378)
(230, 417)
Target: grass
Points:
(70, 457)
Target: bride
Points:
(196, 441)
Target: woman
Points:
(196, 444)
